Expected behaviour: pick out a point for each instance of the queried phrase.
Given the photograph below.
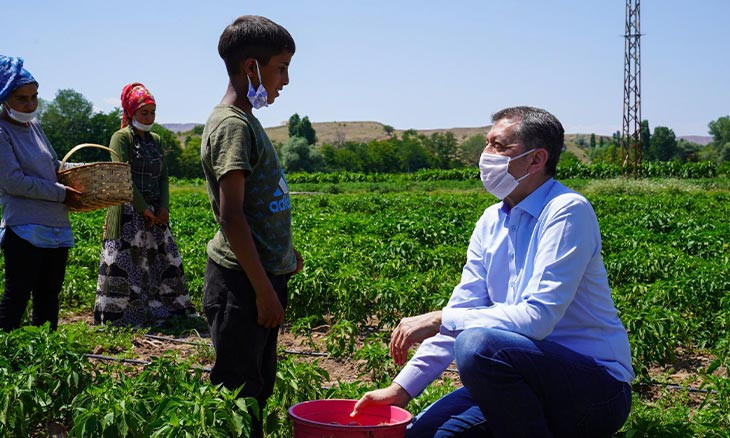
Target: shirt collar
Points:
(535, 201)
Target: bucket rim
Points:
(405, 422)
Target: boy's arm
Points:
(235, 227)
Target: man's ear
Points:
(539, 160)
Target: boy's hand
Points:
(269, 310)
(300, 262)
(163, 216)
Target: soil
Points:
(683, 372)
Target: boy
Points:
(251, 257)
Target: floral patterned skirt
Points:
(141, 279)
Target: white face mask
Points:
(141, 126)
(18, 116)
(258, 98)
(493, 170)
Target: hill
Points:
(338, 132)
(180, 127)
(363, 132)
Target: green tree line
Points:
(69, 119)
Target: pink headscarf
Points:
(134, 96)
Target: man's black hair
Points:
(537, 129)
(252, 36)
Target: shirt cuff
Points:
(452, 318)
(412, 380)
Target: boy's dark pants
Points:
(245, 351)
(30, 269)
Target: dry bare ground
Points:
(684, 372)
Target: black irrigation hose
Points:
(133, 361)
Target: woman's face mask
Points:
(258, 98)
(494, 172)
(18, 116)
(141, 126)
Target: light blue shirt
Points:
(43, 236)
(536, 270)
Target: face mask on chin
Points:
(495, 176)
(141, 126)
(18, 116)
(259, 98)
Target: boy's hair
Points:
(252, 36)
(538, 129)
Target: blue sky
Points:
(410, 64)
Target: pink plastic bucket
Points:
(331, 419)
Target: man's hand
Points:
(73, 197)
(412, 330)
(268, 308)
(300, 262)
(163, 216)
(393, 395)
(149, 217)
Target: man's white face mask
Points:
(493, 170)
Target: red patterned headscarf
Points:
(134, 96)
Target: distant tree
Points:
(645, 136)
(593, 141)
(293, 124)
(601, 141)
(189, 161)
(307, 131)
(610, 154)
(688, 151)
(297, 155)
(663, 145)
(170, 148)
(411, 155)
(66, 123)
(347, 156)
(443, 149)
(389, 130)
(101, 128)
(567, 158)
(719, 148)
(302, 128)
(720, 130)
(471, 149)
(198, 129)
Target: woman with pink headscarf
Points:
(141, 279)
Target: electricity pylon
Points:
(631, 135)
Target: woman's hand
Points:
(393, 395)
(149, 217)
(163, 216)
(73, 197)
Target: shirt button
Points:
(512, 228)
(511, 255)
(453, 326)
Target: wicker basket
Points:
(101, 184)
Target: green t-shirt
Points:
(228, 145)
